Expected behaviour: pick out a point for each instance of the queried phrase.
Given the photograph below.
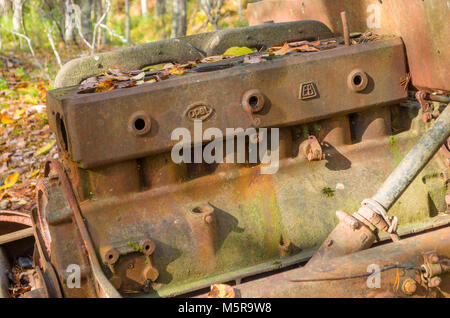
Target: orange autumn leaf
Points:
(176, 71)
(22, 85)
(105, 86)
(306, 48)
(283, 51)
(6, 120)
(221, 291)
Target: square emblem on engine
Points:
(307, 90)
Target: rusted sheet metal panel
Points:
(326, 11)
(423, 25)
(91, 120)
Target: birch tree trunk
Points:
(179, 25)
(240, 9)
(160, 11)
(5, 7)
(212, 10)
(69, 21)
(98, 12)
(86, 19)
(160, 7)
(18, 15)
(144, 8)
(127, 20)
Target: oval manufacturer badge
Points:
(199, 111)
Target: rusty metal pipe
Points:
(439, 98)
(414, 161)
(4, 267)
(345, 29)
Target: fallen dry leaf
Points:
(176, 71)
(105, 86)
(221, 291)
(283, 50)
(45, 149)
(306, 48)
(33, 173)
(6, 120)
(295, 44)
(10, 180)
(253, 59)
(236, 51)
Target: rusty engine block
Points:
(139, 224)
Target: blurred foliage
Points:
(143, 28)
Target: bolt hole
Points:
(147, 247)
(110, 256)
(357, 80)
(253, 101)
(139, 124)
(202, 209)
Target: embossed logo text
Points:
(307, 91)
(199, 111)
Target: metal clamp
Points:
(424, 105)
(372, 212)
(432, 267)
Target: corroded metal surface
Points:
(252, 213)
(328, 279)
(139, 224)
(91, 119)
(15, 217)
(4, 268)
(62, 238)
(414, 161)
(423, 26)
(190, 48)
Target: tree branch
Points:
(112, 33)
(49, 36)
(27, 39)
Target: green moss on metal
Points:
(395, 151)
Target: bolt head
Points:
(409, 286)
(434, 259)
(208, 219)
(355, 225)
(435, 281)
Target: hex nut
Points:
(435, 281)
(409, 286)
